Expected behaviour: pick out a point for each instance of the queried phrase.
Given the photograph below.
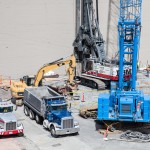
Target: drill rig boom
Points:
(89, 41)
(93, 69)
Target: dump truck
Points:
(9, 125)
(49, 108)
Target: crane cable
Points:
(135, 136)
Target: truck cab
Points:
(8, 122)
(59, 119)
(29, 80)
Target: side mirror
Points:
(69, 110)
(69, 106)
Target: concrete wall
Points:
(112, 31)
(34, 32)
(112, 38)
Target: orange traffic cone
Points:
(106, 134)
(10, 80)
(83, 97)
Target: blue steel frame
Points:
(129, 29)
(124, 102)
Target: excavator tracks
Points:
(92, 82)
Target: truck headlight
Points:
(76, 124)
(19, 124)
(57, 126)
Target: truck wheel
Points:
(20, 134)
(53, 132)
(77, 133)
(13, 100)
(31, 115)
(38, 119)
(26, 110)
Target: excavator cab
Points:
(29, 80)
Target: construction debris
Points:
(88, 111)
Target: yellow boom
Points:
(51, 66)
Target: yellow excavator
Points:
(17, 88)
(54, 65)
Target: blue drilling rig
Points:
(125, 102)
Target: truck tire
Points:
(20, 134)
(13, 100)
(26, 110)
(31, 115)
(75, 134)
(53, 132)
(38, 119)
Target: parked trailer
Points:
(48, 107)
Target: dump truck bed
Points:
(35, 98)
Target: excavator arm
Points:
(54, 65)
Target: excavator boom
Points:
(51, 66)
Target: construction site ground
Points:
(37, 138)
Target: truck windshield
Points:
(59, 108)
(6, 109)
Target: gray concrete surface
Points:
(88, 139)
(34, 32)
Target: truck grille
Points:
(126, 108)
(68, 123)
(11, 126)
